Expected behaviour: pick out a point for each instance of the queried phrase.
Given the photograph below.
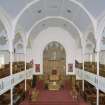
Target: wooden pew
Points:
(5, 98)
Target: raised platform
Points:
(53, 86)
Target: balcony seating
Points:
(79, 65)
(28, 66)
(90, 95)
(18, 93)
(5, 98)
(5, 70)
(92, 67)
(102, 70)
(17, 67)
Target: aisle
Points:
(61, 97)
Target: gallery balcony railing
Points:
(7, 82)
(97, 81)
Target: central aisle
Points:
(61, 97)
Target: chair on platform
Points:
(75, 95)
(34, 95)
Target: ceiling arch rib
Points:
(58, 22)
(35, 1)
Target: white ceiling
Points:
(50, 8)
(53, 22)
(95, 7)
(63, 8)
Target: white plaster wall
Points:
(102, 57)
(49, 35)
(29, 55)
(79, 55)
(19, 57)
(6, 56)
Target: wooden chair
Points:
(34, 95)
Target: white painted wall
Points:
(6, 56)
(102, 57)
(49, 35)
(29, 55)
(19, 57)
(78, 55)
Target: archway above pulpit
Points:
(54, 65)
(54, 58)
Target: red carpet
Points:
(61, 97)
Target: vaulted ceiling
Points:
(36, 15)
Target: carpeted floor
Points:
(61, 97)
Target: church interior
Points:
(52, 52)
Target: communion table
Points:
(54, 82)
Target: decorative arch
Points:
(58, 17)
(35, 1)
(57, 54)
(54, 42)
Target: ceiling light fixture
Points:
(43, 24)
(39, 11)
(64, 24)
(69, 11)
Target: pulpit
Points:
(54, 81)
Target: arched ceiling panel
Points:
(76, 14)
(53, 7)
(95, 7)
(44, 8)
(54, 22)
(32, 15)
(13, 7)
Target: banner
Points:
(37, 67)
(70, 67)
